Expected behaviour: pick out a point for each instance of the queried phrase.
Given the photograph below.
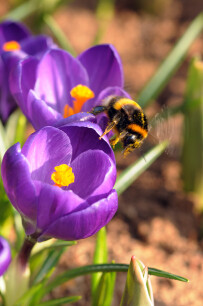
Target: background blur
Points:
(156, 221)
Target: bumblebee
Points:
(127, 119)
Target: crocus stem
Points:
(25, 251)
(18, 275)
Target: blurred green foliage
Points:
(192, 149)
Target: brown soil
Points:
(156, 220)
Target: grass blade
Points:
(171, 63)
(129, 175)
(22, 11)
(61, 301)
(66, 276)
(100, 256)
(59, 34)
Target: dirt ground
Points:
(156, 221)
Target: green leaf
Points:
(11, 126)
(161, 273)
(45, 256)
(59, 34)
(3, 141)
(105, 290)
(51, 244)
(34, 294)
(100, 256)
(171, 63)
(66, 276)
(22, 11)
(192, 148)
(61, 301)
(19, 230)
(128, 176)
(29, 297)
(15, 126)
(50, 262)
(20, 129)
(104, 14)
(5, 207)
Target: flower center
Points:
(81, 93)
(63, 176)
(11, 46)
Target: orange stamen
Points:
(63, 176)
(81, 93)
(11, 46)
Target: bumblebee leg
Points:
(131, 147)
(111, 125)
(114, 141)
(97, 110)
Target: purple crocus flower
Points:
(16, 42)
(5, 255)
(61, 85)
(61, 181)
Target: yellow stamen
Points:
(63, 176)
(81, 93)
(11, 46)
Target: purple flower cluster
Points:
(67, 211)
(5, 255)
(16, 42)
(61, 181)
(42, 88)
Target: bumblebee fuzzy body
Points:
(127, 119)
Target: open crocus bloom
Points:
(61, 182)
(5, 255)
(60, 85)
(16, 42)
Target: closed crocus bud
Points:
(138, 290)
(16, 43)
(5, 255)
(61, 181)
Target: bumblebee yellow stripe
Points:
(138, 129)
(124, 101)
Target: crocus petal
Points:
(83, 223)
(5, 255)
(74, 118)
(29, 46)
(7, 103)
(39, 112)
(83, 133)
(89, 182)
(112, 91)
(46, 149)
(46, 208)
(35, 45)
(54, 202)
(10, 30)
(58, 73)
(22, 80)
(104, 67)
(17, 182)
